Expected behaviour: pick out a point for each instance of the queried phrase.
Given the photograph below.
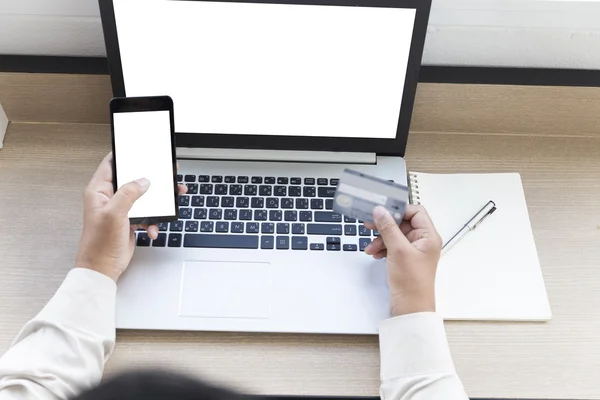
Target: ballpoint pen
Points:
(473, 223)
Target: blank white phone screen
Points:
(143, 150)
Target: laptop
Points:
(273, 100)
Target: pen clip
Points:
(492, 210)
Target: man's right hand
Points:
(412, 250)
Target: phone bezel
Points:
(144, 104)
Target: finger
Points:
(388, 229)
(104, 173)
(139, 226)
(380, 255)
(370, 226)
(418, 217)
(152, 231)
(182, 189)
(123, 200)
(375, 246)
(405, 227)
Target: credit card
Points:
(357, 194)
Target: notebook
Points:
(493, 273)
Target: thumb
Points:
(388, 229)
(128, 194)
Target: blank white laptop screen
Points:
(269, 69)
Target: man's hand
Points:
(413, 250)
(108, 239)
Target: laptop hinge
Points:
(329, 157)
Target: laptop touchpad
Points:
(225, 289)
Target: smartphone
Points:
(143, 145)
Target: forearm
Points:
(415, 360)
(62, 351)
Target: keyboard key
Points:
(267, 227)
(250, 190)
(230, 179)
(297, 229)
(215, 213)
(143, 240)
(333, 240)
(309, 191)
(245, 215)
(221, 241)
(309, 181)
(217, 179)
(283, 242)
(242, 202)
(191, 226)
(260, 215)
(375, 233)
(160, 241)
(190, 178)
(237, 227)
(257, 202)
(322, 182)
(185, 213)
(282, 181)
(302, 204)
(198, 201)
(230, 215)
(257, 179)
(329, 204)
(265, 190)
(206, 226)
(363, 243)
(204, 178)
(235, 190)
(179, 178)
(326, 192)
(221, 189)
(272, 202)
(334, 247)
(362, 231)
(200, 213)
(316, 204)
(283, 229)
(206, 188)
(275, 215)
(176, 226)
(270, 180)
(349, 220)
(306, 216)
(295, 191)
(222, 227)
(192, 188)
(287, 203)
(324, 229)
(334, 182)
(317, 246)
(291, 215)
(267, 242)
(227, 201)
(299, 243)
(280, 191)
(163, 226)
(296, 181)
(184, 201)
(175, 239)
(212, 201)
(325, 216)
(350, 230)
(350, 247)
(252, 227)
(242, 179)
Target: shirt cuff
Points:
(85, 301)
(414, 344)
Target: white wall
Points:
(535, 33)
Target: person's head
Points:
(157, 385)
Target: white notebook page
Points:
(493, 273)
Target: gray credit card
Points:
(357, 194)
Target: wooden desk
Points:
(44, 167)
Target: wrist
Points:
(109, 272)
(403, 305)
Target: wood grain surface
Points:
(44, 168)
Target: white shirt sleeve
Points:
(61, 352)
(416, 363)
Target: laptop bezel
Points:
(393, 147)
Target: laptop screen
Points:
(269, 69)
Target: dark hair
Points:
(157, 385)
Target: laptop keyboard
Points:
(260, 212)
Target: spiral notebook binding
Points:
(414, 195)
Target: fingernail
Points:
(144, 183)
